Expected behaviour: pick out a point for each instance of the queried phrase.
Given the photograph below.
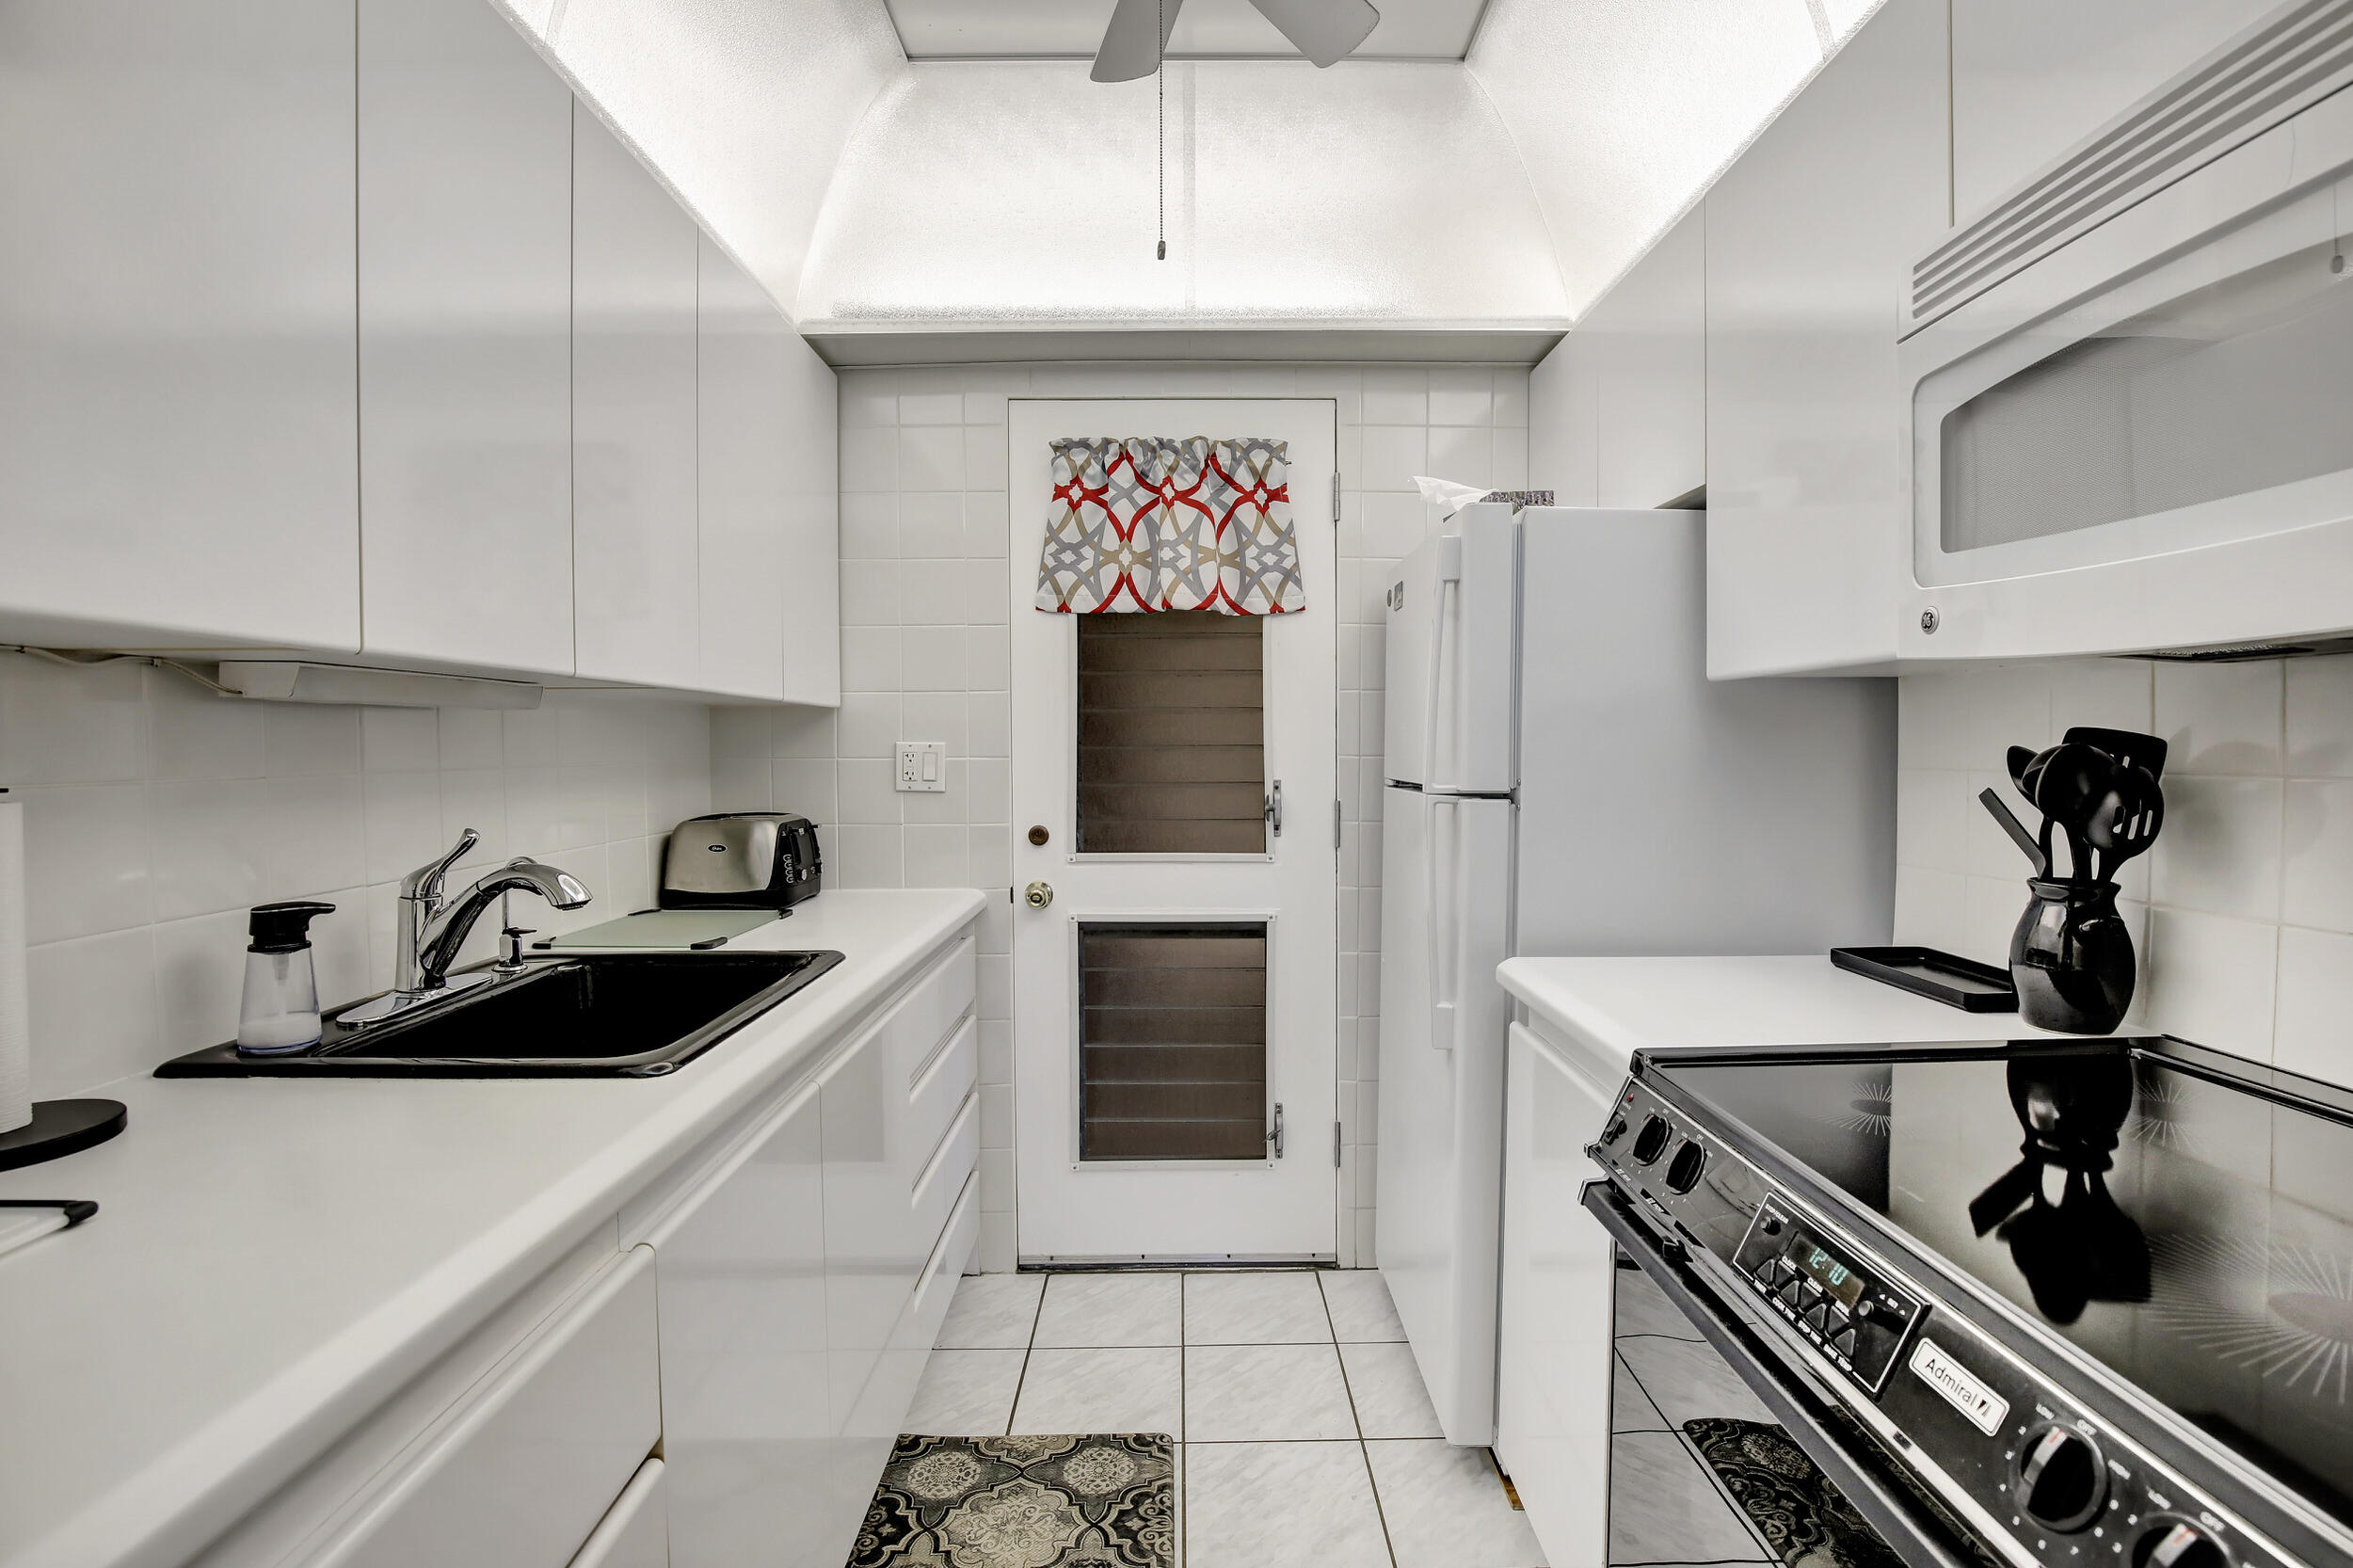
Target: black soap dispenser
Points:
(281, 1012)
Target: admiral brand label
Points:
(1959, 1386)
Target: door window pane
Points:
(1172, 1041)
(1171, 734)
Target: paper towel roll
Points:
(16, 1033)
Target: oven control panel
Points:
(1855, 1319)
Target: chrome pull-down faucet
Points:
(431, 927)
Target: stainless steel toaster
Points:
(741, 861)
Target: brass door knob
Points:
(1038, 895)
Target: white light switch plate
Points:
(923, 767)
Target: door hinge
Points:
(1274, 1134)
(1336, 1146)
(1335, 498)
(1336, 825)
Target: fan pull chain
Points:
(1159, 127)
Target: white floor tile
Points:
(1643, 1308)
(1360, 1306)
(966, 1393)
(1255, 1309)
(1102, 1390)
(992, 1312)
(1265, 1393)
(1249, 1505)
(1663, 1508)
(1630, 1409)
(1387, 1389)
(1445, 1508)
(1687, 1379)
(1097, 1310)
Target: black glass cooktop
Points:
(2185, 1218)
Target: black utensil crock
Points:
(2072, 957)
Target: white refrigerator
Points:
(1562, 778)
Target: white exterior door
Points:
(1077, 1201)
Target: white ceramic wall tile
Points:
(2317, 855)
(2211, 979)
(2315, 999)
(138, 885)
(2219, 848)
(2252, 874)
(2221, 718)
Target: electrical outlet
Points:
(923, 767)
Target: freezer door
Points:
(1448, 641)
(1444, 900)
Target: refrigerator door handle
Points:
(1443, 920)
(1450, 581)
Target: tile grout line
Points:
(1363, 1453)
(1027, 1350)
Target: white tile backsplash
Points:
(2245, 902)
(157, 814)
(925, 537)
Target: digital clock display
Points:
(1812, 1259)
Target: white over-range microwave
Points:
(2129, 382)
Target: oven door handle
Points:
(1920, 1540)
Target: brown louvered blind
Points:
(1172, 1041)
(1171, 734)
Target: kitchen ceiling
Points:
(1206, 29)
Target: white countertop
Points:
(1613, 1007)
(274, 1258)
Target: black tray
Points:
(1962, 983)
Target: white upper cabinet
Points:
(769, 543)
(178, 429)
(464, 340)
(2030, 78)
(1809, 241)
(636, 572)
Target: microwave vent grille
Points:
(2298, 55)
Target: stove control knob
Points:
(1683, 1172)
(1651, 1142)
(1615, 1131)
(2172, 1542)
(2062, 1478)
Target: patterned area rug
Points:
(1807, 1521)
(1088, 1501)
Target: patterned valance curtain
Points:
(1144, 524)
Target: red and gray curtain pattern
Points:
(1143, 524)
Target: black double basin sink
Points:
(622, 1015)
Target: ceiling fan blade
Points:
(1326, 31)
(1133, 44)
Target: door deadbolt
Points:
(1037, 895)
(1038, 833)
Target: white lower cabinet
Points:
(803, 1279)
(1560, 1279)
(746, 1413)
(521, 1470)
(636, 1533)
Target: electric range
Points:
(2028, 1303)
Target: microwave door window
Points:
(2226, 391)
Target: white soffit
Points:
(1625, 111)
(992, 197)
(1206, 29)
(742, 105)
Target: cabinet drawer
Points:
(921, 1022)
(928, 1308)
(941, 1089)
(636, 1531)
(521, 1471)
(936, 1189)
